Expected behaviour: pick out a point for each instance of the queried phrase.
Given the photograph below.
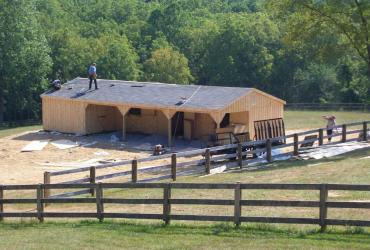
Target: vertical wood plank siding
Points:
(63, 116)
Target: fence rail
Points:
(328, 106)
(322, 203)
(209, 160)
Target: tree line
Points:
(301, 51)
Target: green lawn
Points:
(313, 119)
(113, 235)
(13, 131)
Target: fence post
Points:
(208, 161)
(99, 202)
(240, 155)
(237, 206)
(1, 204)
(134, 170)
(321, 137)
(173, 166)
(46, 181)
(166, 203)
(268, 151)
(323, 207)
(40, 205)
(344, 133)
(364, 131)
(92, 179)
(296, 152)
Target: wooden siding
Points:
(63, 116)
(149, 122)
(102, 119)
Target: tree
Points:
(348, 19)
(24, 61)
(167, 65)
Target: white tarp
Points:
(330, 150)
(65, 144)
(35, 146)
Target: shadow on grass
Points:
(338, 234)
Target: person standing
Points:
(92, 75)
(330, 125)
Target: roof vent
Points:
(112, 85)
(137, 86)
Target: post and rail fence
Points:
(210, 159)
(322, 203)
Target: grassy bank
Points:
(113, 235)
(4, 132)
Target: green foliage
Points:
(301, 51)
(167, 65)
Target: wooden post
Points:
(46, 181)
(237, 206)
(173, 166)
(92, 179)
(323, 207)
(321, 137)
(208, 161)
(268, 151)
(99, 202)
(40, 205)
(364, 131)
(166, 203)
(240, 155)
(169, 132)
(123, 126)
(296, 152)
(1, 204)
(134, 170)
(344, 133)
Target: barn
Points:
(186, 111)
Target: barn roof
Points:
(150, 94)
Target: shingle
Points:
(158, 94)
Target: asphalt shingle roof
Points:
(156, 94)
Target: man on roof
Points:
(92, 75)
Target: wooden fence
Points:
(328, 106)
(322, 203)
(209, 159)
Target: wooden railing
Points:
(322, 203)
(209, 159)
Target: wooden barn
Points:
(188, 111)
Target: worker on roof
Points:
(93, 75)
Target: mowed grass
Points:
(113, 235)
(313, 119)
(4, 132)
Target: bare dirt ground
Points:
(18, 167)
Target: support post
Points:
(92, 179)
(124, 127)
(46, 193)
(208, 161)
(323, 207)
(268, 151)
(237, 206)
(40, 205)
(296, 152)
(321, 137)
(166, 203)
(240, 155)
(173, 166)
(364, 131)
(99, 202)
(1, 204)
(134, 170)
(169, 132)
(344, 133)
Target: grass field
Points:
(313, 119)
(12, 131)
(352, 168)
(113, 235)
